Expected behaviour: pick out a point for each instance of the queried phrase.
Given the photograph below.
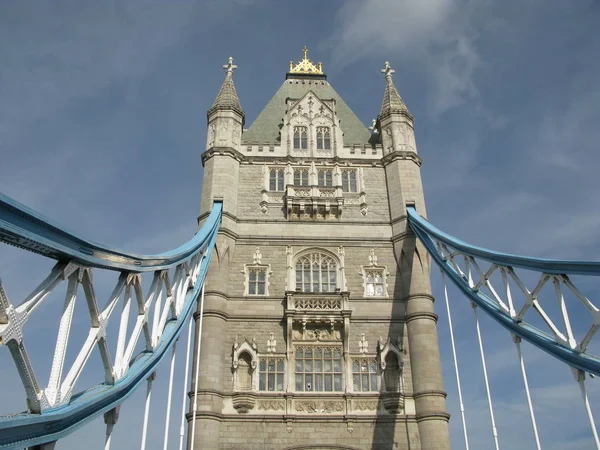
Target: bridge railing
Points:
(132, 330)
(537, 300)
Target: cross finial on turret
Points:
(388, 71)
(229, 67)
(305, 52)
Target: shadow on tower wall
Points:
(392, 430)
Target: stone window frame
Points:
(345, 175)
(250, 267)
(325, 177)
(309, 253)
(300, 137)
(277, 181)
(323, 134)
(266, 359)
(322, 373)
(384, 273)
(302, 176)
(372, 375)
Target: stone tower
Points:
(319, 330)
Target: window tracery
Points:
(301, 177)
(300, 138)
(325, 178)
(318, 369)
(374, 278)
(316, 272)
(364, 374)
(349, 180)
(276, 179)
(271, 374)
(323, 138)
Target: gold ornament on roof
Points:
(306, 65)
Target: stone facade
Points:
(318, 328)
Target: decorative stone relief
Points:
(271, 343)
(271, 405)
(317, 332)
(363, 344)
(365, 405)
(257, 256)
(373, 257)
(319, 406)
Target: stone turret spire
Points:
(227, 98)
(392, 102)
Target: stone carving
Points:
(211, 135)
(235, 136)
(318, 303)
(271, 405)
(366, 405)
(316, 407)
(271, 343)
(257, 256)
(223, 131)
(363, 344)
(373, 258)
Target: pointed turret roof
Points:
(392, 102)
(227, 98)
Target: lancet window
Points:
(257, 280)
(364, 374)
(349, 183)
(374, 283)
(300, 138)
(316, 272)
(325, 177)
(323, 138)
(276, 179)
(318, 368)
(300, 177)
(271, 374)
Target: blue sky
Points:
(103, 120)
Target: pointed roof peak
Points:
(227, 98)
(392, 102)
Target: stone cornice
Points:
(288, 159)
(401, 155)
(421, 315)
(222, 151)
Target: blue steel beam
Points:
(24, 228)
(426, 232)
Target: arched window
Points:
(300, 138)
(244, 372)
(316, 272)
(323, 138)
(391, 374)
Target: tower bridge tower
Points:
(319, 330)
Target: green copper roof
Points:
(265, 129)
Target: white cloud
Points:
(437, 35)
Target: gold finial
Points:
(229, 67)
(306, 65)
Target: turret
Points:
(222, 156)
(395, 121)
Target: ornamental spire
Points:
(392, 102)
(227, 98)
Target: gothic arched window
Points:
(316, 272)
(323, 138)
(300, 138)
